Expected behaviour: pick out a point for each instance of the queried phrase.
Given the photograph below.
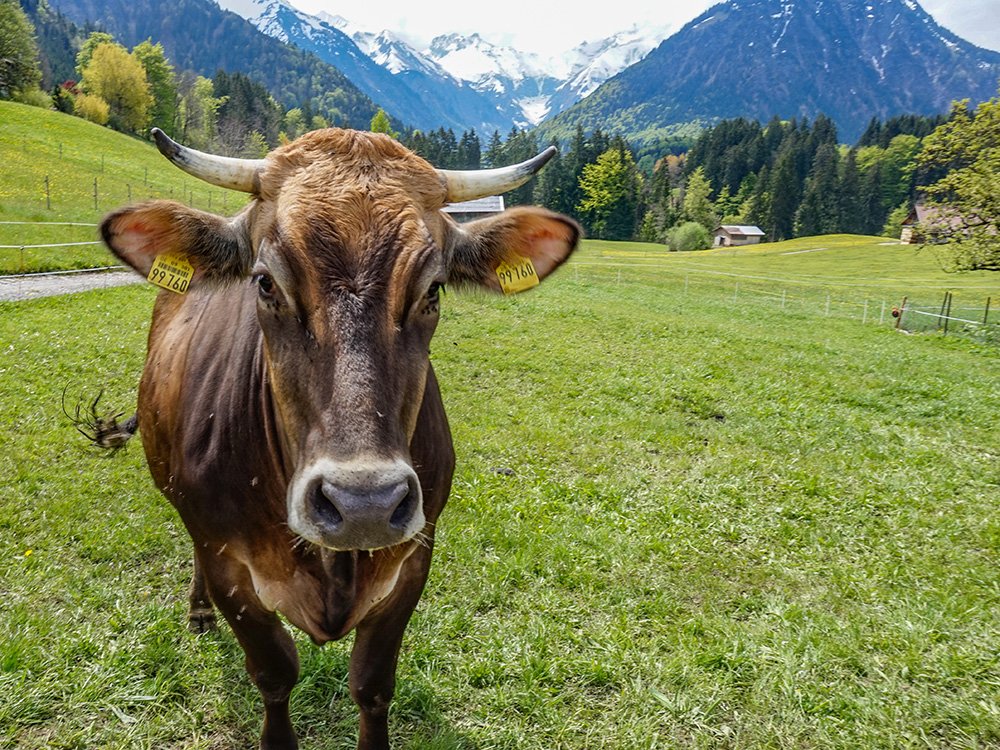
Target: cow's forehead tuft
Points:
(326, 161)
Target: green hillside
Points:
(851, 271)
(74, 155)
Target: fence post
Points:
(941, 314)
(48, 201)
(864, 318)
(947, 315)
(95, 193)
(986, 314)
(902, 312)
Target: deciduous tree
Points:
(119, 79)
(162, 85)
(611, 189)
(968, 196)
(19, 70)
(697, 204)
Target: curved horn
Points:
(221, 171)
(472, 184)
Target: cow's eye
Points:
(435, 291)
(265, 286)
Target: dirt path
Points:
(47, 285)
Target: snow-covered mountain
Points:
(459, 81)
(849, 59)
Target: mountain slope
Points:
(200, 36)
(417, 96)
(851, 59)
(460, 81)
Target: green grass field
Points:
(36, 144)
(730, 525)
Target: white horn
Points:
(472, 184)
(221, 171)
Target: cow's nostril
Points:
(404, 511)
(323, 507)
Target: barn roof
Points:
(490, 205)
(749, 231)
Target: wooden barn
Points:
(915, 224)
(731, 235)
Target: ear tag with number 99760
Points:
(171, 272)
(517, 274)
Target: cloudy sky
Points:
(546, 26)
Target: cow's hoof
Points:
(202, 621)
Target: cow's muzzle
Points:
(356, 505)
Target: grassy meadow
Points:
(72, 153)
(730, 524)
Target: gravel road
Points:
(47, 285)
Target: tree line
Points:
(790, 178)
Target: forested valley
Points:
(790, 178)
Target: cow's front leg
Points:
(376, 650)
(271, 658)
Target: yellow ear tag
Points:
(171, 272)
(517, 275)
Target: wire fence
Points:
(869, 301)
(77, 181)
(963, 312)
(951, 317)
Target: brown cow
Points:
(288, 407)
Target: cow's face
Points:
(347, 253)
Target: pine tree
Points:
(872, 214)
(380, 124)
(494, 151)
(469, 150)
(784, 190)
(849, 192)
(819, 212)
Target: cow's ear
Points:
(219, 249)
(486, 252)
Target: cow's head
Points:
(347, 250)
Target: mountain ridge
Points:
(850, 59)
(457, 80)
(201, 36)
